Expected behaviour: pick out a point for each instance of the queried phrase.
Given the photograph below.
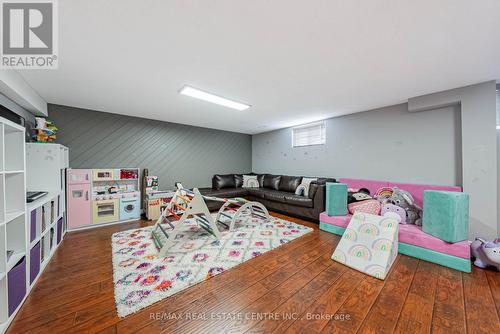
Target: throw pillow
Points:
(303, 188)
(250, 181)
(371, 206)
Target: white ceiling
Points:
(293, 61)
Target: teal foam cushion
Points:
(446, 215)
(336, 199)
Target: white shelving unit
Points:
(29, 233)
(14, 263)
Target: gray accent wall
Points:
(174, 152)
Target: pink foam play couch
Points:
(408, 234)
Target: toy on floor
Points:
(369, 244)
(184, 204)
(487, 253)
(237, 208)
(191, 203)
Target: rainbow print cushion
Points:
(369, 244)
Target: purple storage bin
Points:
(16, 279)
(59, 230)
(34, 262)
(33, 225)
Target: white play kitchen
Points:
(102, 196)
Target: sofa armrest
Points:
(319, 198)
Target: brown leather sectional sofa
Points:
(276, 192)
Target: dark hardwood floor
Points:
(294, 289)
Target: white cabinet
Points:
(44, 163)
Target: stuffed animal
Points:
(405, 200)
(487, 253)
(358, 195)
(383, 195)
(392, 210)
(360, 200)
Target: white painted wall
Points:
(387, 144)
(416, 142)
(479, 149)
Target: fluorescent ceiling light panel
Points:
(201, 95)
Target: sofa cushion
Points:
(272, 181)
(238, 180)
(221, 181)
(224, 193)
(289, 183)
(275, 195)
(298, 200)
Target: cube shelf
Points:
(3, 301)
(29, 233)
(16, 241)
(13, 140)
(16, 285)
(2, 201)
(3, 250)
(35, 262)
(15, 201)
(13, 219)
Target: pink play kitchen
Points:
(102, 196)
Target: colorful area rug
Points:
(141, 278)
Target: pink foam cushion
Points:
(371, 185)
(412, 235)
(341, 221)
(417, 190)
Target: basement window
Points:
(309, 134)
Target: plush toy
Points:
(487, 253)
(391, 210)
(383, 195)
(360, 200)
(405, 200)
(358, 195)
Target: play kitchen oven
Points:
(105, 210)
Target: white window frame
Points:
(316, 126)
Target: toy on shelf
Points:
(487, 253)
(151, 183)
(191, 203)
(45, 131)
